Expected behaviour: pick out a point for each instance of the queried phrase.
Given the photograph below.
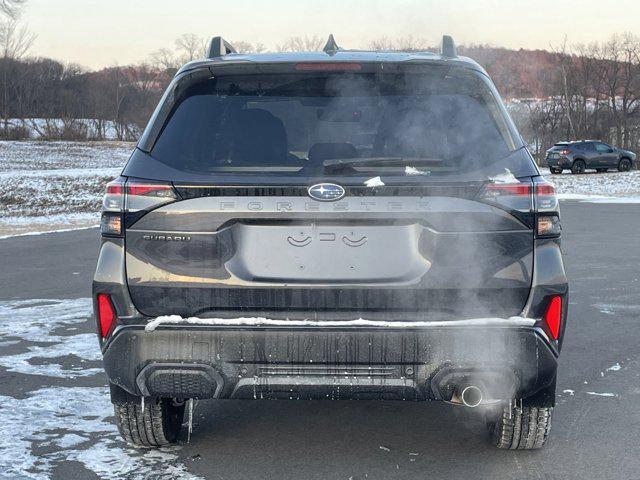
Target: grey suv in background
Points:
(331, 225)
(588, 154)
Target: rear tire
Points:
(578, 167)
(158, 425)
(520, 427)
(624, 165)
(555, 171)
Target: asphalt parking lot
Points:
(54, 412)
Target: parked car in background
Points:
(581, 155)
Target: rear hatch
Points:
(331, 194)
(554, 152)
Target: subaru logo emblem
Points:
(326, 192)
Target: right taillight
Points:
(131, 195)
(510, 196)
(534, 202)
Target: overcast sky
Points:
(97, 33)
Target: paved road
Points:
(593, 436)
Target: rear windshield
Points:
(439, 121)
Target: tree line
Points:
(570, 92)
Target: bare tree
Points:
(15, 40)
(165, 58)
(11, 8)
(190, 46)
(408, 43)
(246, 47)
(301, 44)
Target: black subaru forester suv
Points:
(338, 224)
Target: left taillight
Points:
(553, 316)
(131, 195)
(106, 315)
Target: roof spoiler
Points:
(448, 47)
(219, 47)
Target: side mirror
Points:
(611, 150)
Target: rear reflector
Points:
(106, 314)
(328, 67)
(553, 317)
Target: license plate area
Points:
(327, 254)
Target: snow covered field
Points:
(610, 187)
(50, 186)
(68, 416)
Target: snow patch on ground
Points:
(50, 186)
(614, 368)
(47, 322)
(602, 394)
(74, 424)
(57, 424)
(612, 187)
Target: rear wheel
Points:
(601, 170)
(555, 171)
(156, 424)
(519, 426)
(624, 165)
(578, 167)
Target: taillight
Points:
(131, 195)
(511, 196)
(526, 199)
(106, 315)
(114, 196)
(553, 316)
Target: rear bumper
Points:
(558, 162)
(507, 361)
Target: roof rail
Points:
(218, 47)
(331, 47)
(448, 47)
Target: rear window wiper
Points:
(341, 163)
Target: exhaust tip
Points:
(471, 396)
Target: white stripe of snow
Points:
(604, 394)
(260, 321)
